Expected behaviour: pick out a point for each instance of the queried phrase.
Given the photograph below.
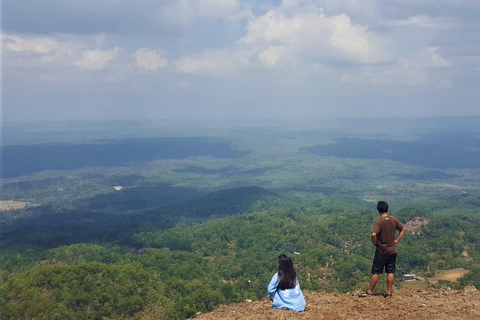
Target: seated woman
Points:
(284, 288)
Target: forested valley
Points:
(177, 221)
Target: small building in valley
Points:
(410, 277)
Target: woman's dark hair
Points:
(287, 277)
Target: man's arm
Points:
(400, 236)
(375, 229)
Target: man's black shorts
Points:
(384, 261)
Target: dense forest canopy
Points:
(177, 222)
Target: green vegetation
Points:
(185, 234)
(186, 269)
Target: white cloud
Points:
(216, 62)
(56, 52)
(409, 72)
(438, 23)
(273, 27)
(23, 52)
(429, 58)
(149, 59)
(278, 40)
(41, 45)
(229, 62)
(46, 58)
(354, 42)
(315, 34)
(274, 55)
(95, 60)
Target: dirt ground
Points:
(431, 304)
(415, 225)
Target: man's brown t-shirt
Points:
(385, 228)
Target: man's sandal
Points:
(386, 295)
(365, 294)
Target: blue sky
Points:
(215, 59)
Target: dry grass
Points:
(414, 285)
(450, 275)
(7, 205)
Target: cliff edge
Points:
(431, 304)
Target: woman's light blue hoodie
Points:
(289, 298)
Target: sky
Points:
(231, 59)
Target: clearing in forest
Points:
(450, 275)
(7, 205)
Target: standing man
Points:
(383, 237)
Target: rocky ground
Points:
(431, 304)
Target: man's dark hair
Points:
(382, 206)
(286, 273)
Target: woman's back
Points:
(284, 288)
(286, 298)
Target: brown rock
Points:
(469, 289)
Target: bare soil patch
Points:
(415, 225)
(438, 304)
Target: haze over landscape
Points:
(158, 156)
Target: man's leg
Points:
(390, 278)
(373, 283)
(377, 268)
(390, 268)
